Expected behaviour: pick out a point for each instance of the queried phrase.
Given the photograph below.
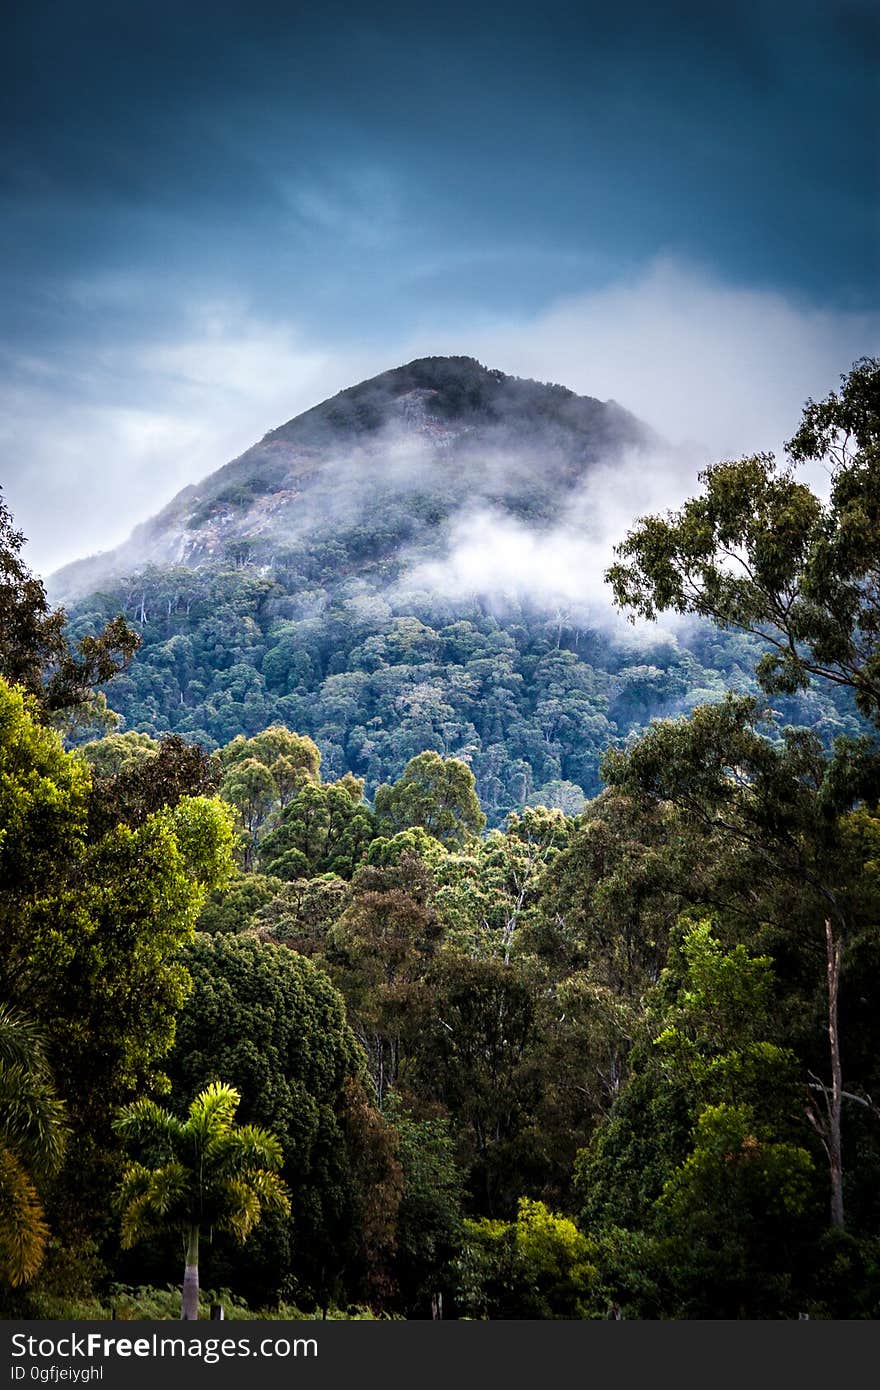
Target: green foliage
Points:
(134, 1303)
(539, 1266)
(733, 1221)
(435, 793)
(273, 1023)
(110, 755)
(93, 925)
(759, 551)
(375, 677)
(262, 774)
(477, 1052)
(274, 1026)
(204, 1171)
(301, 913)
(232, 907)
(429, 1217)
(35, 651)
(613, 892)
(152, 778)
(379, 952)
(729, 1206)
(324, 829)
(33, 1133)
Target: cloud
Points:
(97, 438)
(718, 371)
(499, 557)
(93, 449)
(723, 366)
(359, 206)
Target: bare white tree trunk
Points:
(835, 1146)
(190, 1307)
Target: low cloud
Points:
(499, 557)
(91, 450)
(94, 441)
(724, 367)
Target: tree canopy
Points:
(35, 651)
(759, 550)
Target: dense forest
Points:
(308, 584)
(399, 956)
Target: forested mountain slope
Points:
(307, 583)
(383, 465)
(615, 1064)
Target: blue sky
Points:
(212, 215)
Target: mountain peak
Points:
(450, 389)
(436, 436)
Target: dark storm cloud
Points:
(153, 133)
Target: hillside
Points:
(291, 586)
(415, 445)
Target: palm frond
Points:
(213, 1110)
(272, 1192)
(149, 1126)
(32, 1119)
(213, 1172)
(23, 1230)
(135, 1180)
(148, 1196)
(21, 1042)
(241, 1208)
(241, 1148)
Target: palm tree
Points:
(206, 1172)
(33, 1131)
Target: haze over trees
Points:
(311, 584)
(509, 1058)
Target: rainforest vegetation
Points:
(501, 970)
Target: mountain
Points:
(413, 446)
(312, 583)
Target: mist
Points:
(505, 559)
(725, 367)
(93, 448)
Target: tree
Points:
(436, 793)
(429, 1218)
(323, 829)
(557, 795)
(379, 952)
(512, 865)
(734, 1216)
(33, 1131)
(250, 787)
(262, 774)
(475, 1052)
(150, 778)
(233, 907)
(35, 652)
(114, 752)
(92, 930)
(538, 1266)
(202, 1172)
(300, 913)
(272, 1024)
(783, 805)
(734, 1220)
(611, 896)
(759, 551)
(705, 1153)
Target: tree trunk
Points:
(190, 1308)
(835, 1148)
